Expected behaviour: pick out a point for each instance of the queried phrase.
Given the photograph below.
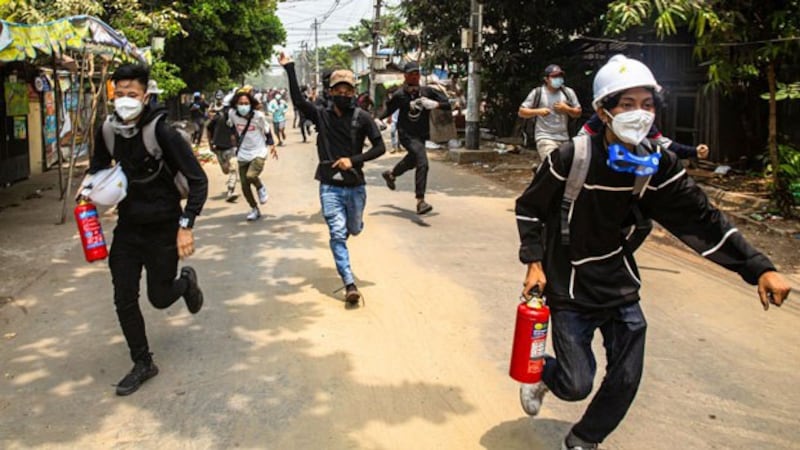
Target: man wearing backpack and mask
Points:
(153, 231)
(551, 106)
(578, 255)
(342, 128)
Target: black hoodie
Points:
(158, 200)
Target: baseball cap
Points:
(343, 76)
(553, 69)
(411, 66)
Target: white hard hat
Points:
(621, 73)
(106, 187)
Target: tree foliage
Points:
(206, 40)
(224, 39)
(392, 23)
(738, 40)
(521, 37)
(335, 57)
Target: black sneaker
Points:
(423, 208)
(389, 179)
(141, 372)
(193, 294)
(352, 297)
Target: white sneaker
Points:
(530, 396)
(263, 196)
(572, 442)
(254, 214)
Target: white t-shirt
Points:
(254, 144)
(554, 125)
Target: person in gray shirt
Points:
(551, 105)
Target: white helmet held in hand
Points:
(106, 187)
(621, 73)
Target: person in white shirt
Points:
(253, 136)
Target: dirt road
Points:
(276, 361)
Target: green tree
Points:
(738, 40)
(335, 57)
(223, 39)
(521, 37)
(392, 23)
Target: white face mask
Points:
(127, 108)
(632, 126)
(243, 109)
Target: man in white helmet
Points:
(580, 260)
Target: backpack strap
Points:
(354, 128)
(108, 135)
(578, 170)
(149, 138)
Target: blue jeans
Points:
(570, 375)
(343, 209)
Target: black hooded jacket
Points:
(158, 200)
(597, 269)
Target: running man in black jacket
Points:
(341, 131)
(152, 231)
(592, 281)
(414, 102)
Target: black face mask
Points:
(344, 102)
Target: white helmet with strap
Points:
(621, 73)
(106, 187)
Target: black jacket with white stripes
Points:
(597, 269)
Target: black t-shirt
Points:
(335, 139)
(414, 124)
(198, 109)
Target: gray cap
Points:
(411, 66)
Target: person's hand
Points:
(534, 278)
(772, 288)
(428, 103)
(381, 124)
(185, 243)
(283, 59)
(273, 152)
(561, 107)
(542, 112)
(343, 164)
(702, 151)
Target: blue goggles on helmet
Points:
(622, 160)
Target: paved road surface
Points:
(275, 360)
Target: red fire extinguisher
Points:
(530, 337)
(91, 232)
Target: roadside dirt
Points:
(514, 171)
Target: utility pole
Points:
(473, 132)
(376, 30)
(316, 54)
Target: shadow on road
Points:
(526, 433)
(233, 375)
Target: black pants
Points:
(570, 375)
(416, 157)
(153, 247)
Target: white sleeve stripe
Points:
(720, 243)
(527, 219)
(630, 271)
(608, 188)
(553, 171)
(672, 180)
(596, 258)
